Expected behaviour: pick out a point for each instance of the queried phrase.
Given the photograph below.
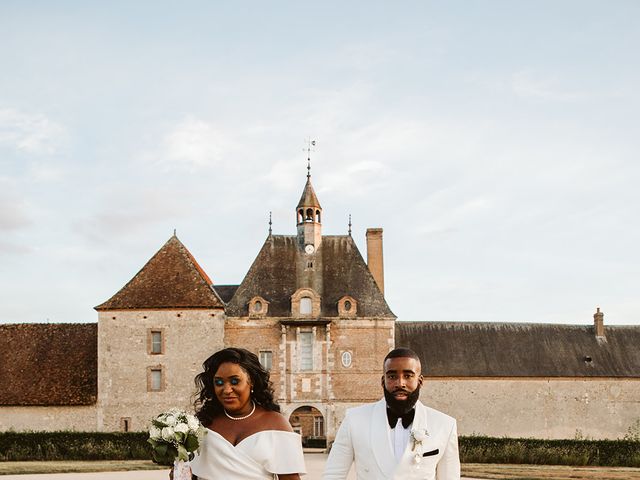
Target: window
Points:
(305, 303)
(306, 351)
(266, 359)
(305, 306)
(258, 307)
(155, 379)
(346, 359)
(318, 427)
(347, 306)
(155, 341)
(125, 424)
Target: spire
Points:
(270, 223)
(310, 143)
(309, 211)
(349, 224)
(308, 198)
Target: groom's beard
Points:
(401, 407)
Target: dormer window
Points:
(347, 306)
(305, 303)
(306, 306)
(258, 307)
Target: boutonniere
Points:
(417, 437)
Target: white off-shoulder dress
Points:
(257, 457)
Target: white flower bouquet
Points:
(175, 437)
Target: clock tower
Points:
(309, 218)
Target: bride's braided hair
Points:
(207, 405)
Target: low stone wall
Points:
(81, 418)
(552, 408)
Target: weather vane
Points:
(349, 224)
(310, 148)
(270, 223)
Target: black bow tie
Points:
(407, 418)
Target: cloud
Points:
(193, 145)
(526, 83)
(14, 213)
(44, 173)
(10, 248)
(449, 214)
(127, 213)
(31, 133)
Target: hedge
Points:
(74, 446)
(609, 453)
(27, 446)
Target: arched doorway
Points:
(309, 423)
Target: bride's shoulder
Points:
(275, 421)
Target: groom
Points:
(397, 437)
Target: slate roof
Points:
(225, 292)
(308, 198)
(170, 279)
(451, 349)
(48, 364)
(341, 271)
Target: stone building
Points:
(531, 380)
(314, 312)
(48, 376)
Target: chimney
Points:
(598, 323)
(374, 256)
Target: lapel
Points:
(380, 441)
(419, 423)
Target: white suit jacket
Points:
(364, 438)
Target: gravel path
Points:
(315, 464)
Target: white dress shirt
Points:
(399, 439)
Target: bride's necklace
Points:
(246, 416)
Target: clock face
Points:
(309, 249)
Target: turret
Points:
(309, 218)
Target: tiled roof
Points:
(339, 270)
(451, 349)
(48, 364)
(170, 279)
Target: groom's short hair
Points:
(402, 352)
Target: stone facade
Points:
(125, 361)
(48, 418)
(537, 407)
(330, 384)
(315, 314)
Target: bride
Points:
(248, 439)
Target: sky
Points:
(495, 142)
